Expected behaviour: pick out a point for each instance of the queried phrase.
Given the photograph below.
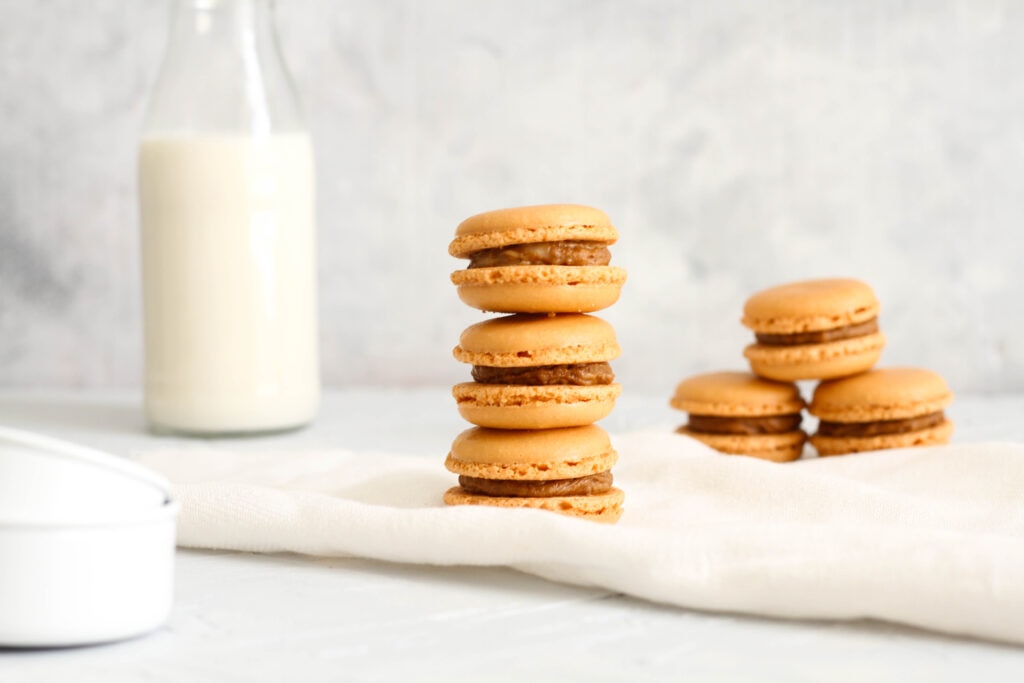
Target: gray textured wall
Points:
(735, 144)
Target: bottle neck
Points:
(197, 24)
(223, 71)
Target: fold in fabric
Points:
(930, 537)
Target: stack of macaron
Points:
(823, 330)
(541, 375)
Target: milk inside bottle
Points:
(228, 229)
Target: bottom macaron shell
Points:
(816, 361)
(841, 445)
(535, 471)
(882, 394)
(513, 406)
(539, 298)
(784, 447)
(603, 507)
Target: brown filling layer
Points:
(579, 374)
(583, 486)
(771, 424)
(863, 429)
(820, 336)
(566, 253)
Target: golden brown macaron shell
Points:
(549, 288)
(784, 447)
(605, 507)
(736, 394)
(532, 224)
(810, 305)
(882, 394)
(533, 455)
(515, 406)
(835, 445)
(829, 360)
(527, 340)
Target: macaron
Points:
(884, 408)
(537, 259)
(814, 329)
(738, 413)
(562, 470)
(536, 371)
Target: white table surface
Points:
(243, 617)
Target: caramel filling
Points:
(566, 253)
(590, 485)
(771, 424)
(819, 336)
(579, 374)
(882, 427)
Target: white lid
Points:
(46, 481)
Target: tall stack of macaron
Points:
(541, 375)
(824, 330)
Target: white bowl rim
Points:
(83, 454)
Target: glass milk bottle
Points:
(226, 193)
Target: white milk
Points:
(229, 281)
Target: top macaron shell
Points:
(542, 288)
(526, 340)
(532, 455)
(530, 224)
(810, 305)
(736, 394)
(882, 394)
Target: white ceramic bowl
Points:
(86, 544)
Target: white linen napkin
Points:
(931, 537)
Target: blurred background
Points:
(736, 145)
